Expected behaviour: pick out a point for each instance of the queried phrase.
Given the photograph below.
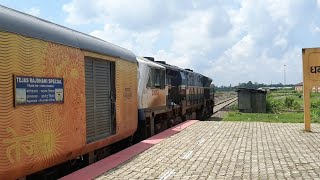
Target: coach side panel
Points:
(35, 136)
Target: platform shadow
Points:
(214, 119)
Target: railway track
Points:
(224, 103)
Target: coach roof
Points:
(27, 25)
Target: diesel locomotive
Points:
(67, 97)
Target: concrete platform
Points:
(229, 150)
(98, 168)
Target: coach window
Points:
(184, 79)
(162, 79)
(168, 82)
(156, 79)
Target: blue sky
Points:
(231, 41)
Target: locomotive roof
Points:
(177, 68)
(149, 63)
(27, 25)
(168, 66)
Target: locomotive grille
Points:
(99, 112)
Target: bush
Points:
(288, 102)
(315, 95)
(315, 115)
(234, 107)
(274, 105)
(315, 104)
(296, 105)
(298, 94)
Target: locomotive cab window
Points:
(156, 78)
(184, 78)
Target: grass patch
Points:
(283, 106)
(281, 100)
(290, 117)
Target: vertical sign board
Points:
(311, 78)
(37, 90)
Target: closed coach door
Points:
(99, 78)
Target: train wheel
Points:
(170, 123)
(157, 128)
(178, 119)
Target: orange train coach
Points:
(63, 94)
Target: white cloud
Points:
(191, 34)
(82, 12)
(141, 43)
(114, 33)
(279, 10)
(280, 42)
(314, 28)
(242, 49)
(230, 41)
(200, 31)
(140, 14)
(34, 11)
